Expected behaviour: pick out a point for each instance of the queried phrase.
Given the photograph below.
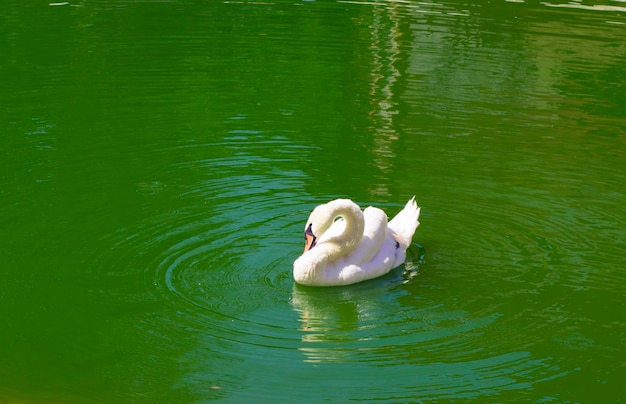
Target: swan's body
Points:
(360, 246)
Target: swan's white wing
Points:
(345, 273)
(374, 235)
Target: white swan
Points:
(359, 246)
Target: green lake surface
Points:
(159, 159)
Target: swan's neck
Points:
(349, 238)
(332, 245)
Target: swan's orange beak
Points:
(309, 238)
(309, 242)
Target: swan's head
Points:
(322, 219)
(319, 221)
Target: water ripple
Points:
(219, 266)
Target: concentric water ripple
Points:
(220, 266)
(156, 182)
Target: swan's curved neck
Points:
(351, 235)
(335, 245)
(333, 241)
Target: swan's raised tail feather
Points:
(405, 223)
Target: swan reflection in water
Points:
(332, 320)
(339, 321)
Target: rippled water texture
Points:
(158, 161)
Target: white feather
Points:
(359, 246)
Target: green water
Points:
(158, 161)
